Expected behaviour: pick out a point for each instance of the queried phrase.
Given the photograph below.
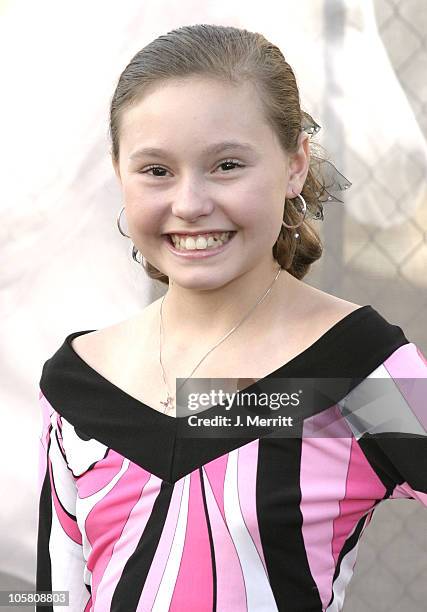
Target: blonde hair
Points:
(234, 56)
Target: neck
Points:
(204, 314)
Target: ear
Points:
(299, 165)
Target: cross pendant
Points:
(168, 403)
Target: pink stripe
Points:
(193, 588)
(68, 524)
(422, 357)
(88, 606)
(363, 487)
(324, 463)
(59, 438)
(42, 469)
(408, 362)
(100, 475)
(405, 490)
(231, 592)
(47, 410)
(215, 471)
(107, 527)
(247, 471)
(163, 550)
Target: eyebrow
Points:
(210, 150)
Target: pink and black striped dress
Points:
(134, 516)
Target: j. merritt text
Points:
(254, 421)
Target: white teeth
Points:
(200, 242)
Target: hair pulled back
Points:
(234, 56)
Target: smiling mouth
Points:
(200, 242)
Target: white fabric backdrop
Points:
(64, 265)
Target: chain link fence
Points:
(387, 268)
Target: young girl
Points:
(212, 152)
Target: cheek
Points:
(261, 210)
(143, 214)
(143, 221)
(262, 218)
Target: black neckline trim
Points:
(352, 348)
(287, 369)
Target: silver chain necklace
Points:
(168, 403)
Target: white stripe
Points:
(346, 572)
(65, 487)
(167, 584)
(66, 556)
(67, 567)
(374, 407)
(259, 594)
(125, 545)
(81, 454)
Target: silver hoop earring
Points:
(118, 222)
(134, 249)
(135, 256)
(304, 205)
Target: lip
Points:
(197, 253)
(201, 231)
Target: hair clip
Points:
(328, 176)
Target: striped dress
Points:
(136, 515)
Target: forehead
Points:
(189, 92)
(195, 110)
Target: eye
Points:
(232, 162)
(223, 163)
(152, 168)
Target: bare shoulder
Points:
(328, 309)
(315, 315)
(338, 305)
(107, 346)
(123, 354)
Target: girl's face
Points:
(198, 180)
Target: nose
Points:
(191, 202)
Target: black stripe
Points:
(349, 544)
(128, 590)
(211, 543)
(278, 496)
(43, 563)
(397, 457)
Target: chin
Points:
(201, 279)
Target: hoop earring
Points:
(135, 256)
(304, 205)
(118, 222)
(134, 249)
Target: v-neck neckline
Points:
(318, 345)
(352, 348)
